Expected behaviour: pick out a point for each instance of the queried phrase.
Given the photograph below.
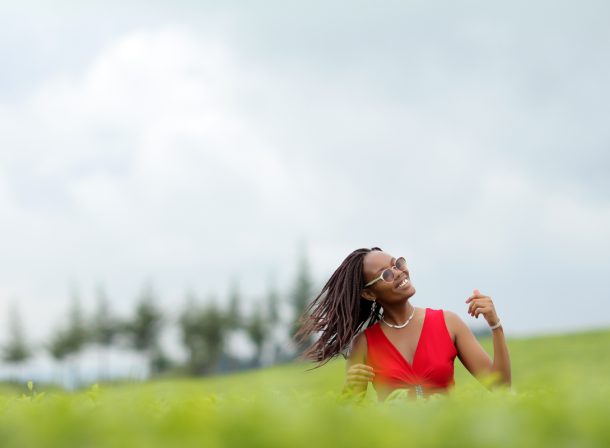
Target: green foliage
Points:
(145, 327)
(302, 294)
(76, 334)
(273, 303)
(203, 330)
(258, 330)
(303, 286)
(560, 398)
(17, 350)
(105, 326)
(58, 345)
(233, 317)
(71, 338)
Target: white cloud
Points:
(190, 159)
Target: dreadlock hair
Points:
(339, 311)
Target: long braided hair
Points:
(339, 312)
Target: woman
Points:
(403, 347)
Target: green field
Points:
(560, 397)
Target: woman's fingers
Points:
(473, 305)
(362, 372)
(482, 310)
(479, 309)
(477, 303)
(357, 382)
(360, 378)
(475, 294)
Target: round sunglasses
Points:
(388, 274)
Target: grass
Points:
(560, 397)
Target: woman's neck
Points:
(398, 314)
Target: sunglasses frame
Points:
(372, 282)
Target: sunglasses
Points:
(388, 274)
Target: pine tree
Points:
(258, 331)
(203, 332)
(104, 331)
(76, 333)
(58, 347)
(273, 319)
(105, 325)
(233, 316)
(145, 328)
(75, 336)
(17, 351)
(273, 304)
(301, 296)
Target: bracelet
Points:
(499, 324)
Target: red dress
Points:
(432, 369)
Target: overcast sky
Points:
(189, 144)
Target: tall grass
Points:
(560, 397)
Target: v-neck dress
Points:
(431, 370)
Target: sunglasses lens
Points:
(388, 275)
(401, 264)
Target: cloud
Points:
(191, 157)
(141, 166)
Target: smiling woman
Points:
(414, 349)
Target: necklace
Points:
(403, 325)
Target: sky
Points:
(193, 144)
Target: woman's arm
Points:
(358, 374)
(471, 353)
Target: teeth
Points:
(403, 283)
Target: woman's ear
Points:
(368, 295)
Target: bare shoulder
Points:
(360, 343)
(359, 349)
(450, 316)
(455, 324)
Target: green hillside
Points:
(560, 397)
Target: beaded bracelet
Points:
(495, 326)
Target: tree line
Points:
(203, 327)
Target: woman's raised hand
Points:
(482, 304)
(358, 376)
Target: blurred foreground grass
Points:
(560, 397)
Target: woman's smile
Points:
(404, 283)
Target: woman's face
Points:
(398, 289)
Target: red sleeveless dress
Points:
(432, 369)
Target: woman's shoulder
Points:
(358, 346)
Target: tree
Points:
(159, 361)
(145, 328)
(59, 350)
(104, 330)
(75, 336)
(301, 296)
(17, 350)
(104, 325)
(273, 319)
(257, 329)
(203, 330)
(146, 325)
(233, 316)
(76, 333)
(273, 311)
